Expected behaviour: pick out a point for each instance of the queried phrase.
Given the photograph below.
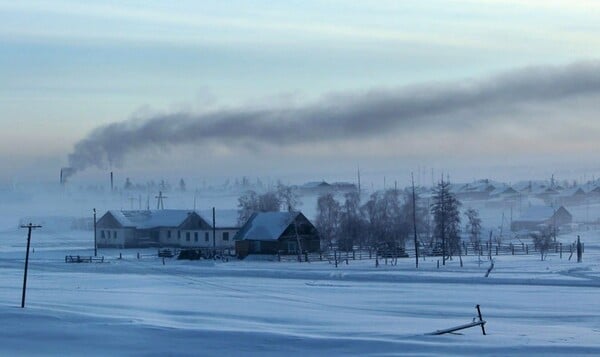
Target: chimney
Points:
(112, 186)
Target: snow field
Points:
(141, 307)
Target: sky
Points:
(507, 89)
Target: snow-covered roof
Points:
(315, 184)
(223, 217)
(266, 225)
(503, 189)
(146, 219)
(537, 214)
(573, 191)
(151, 219)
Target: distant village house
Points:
(539, 217)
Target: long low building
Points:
(167, 228)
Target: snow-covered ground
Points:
(142, 307)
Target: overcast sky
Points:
(270, 88)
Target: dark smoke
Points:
(344, 116)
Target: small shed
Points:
(277, 232)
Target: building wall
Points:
(115, 237)
(196, 238)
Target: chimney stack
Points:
(112, 186)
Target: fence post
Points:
(353, 254)
(496, 250)
(527, 249)
(560, 244)
(138, 255)
(120, 255)
(512, 248)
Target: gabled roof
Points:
(540, 213)
(224, 218)
(147, 219)
(573, 191)
(315, 184)
(266, 226)
(151, 219)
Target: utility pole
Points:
(443, 218)
(359, 181)
(414, 201)
(160, 204)
(29, 227)
(95, 242)
(214, 234)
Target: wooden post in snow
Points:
(29, 227)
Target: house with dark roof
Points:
(277, 233)
(540, 217)
(167, 228)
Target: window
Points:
(115, 234)
(178, 234)
(195, 236)
(187, 236)
(102, 234)
(169, 234)
(206, 237)
(225, 236)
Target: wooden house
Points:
(277, 233)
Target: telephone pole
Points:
(414, 204)
(30, 227)
(95, 243)
(214, 232)
(160, 203)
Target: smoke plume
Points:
(344, 115)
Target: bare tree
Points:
(386, 227)
(251, 202)
(542, 241)
(351, 222)
(247, 204)
(473, 226)
(269, 202)
(327, 222)
(288, 197)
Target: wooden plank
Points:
(458, 328)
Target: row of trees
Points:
(386, 221)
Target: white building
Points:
(167, 228)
